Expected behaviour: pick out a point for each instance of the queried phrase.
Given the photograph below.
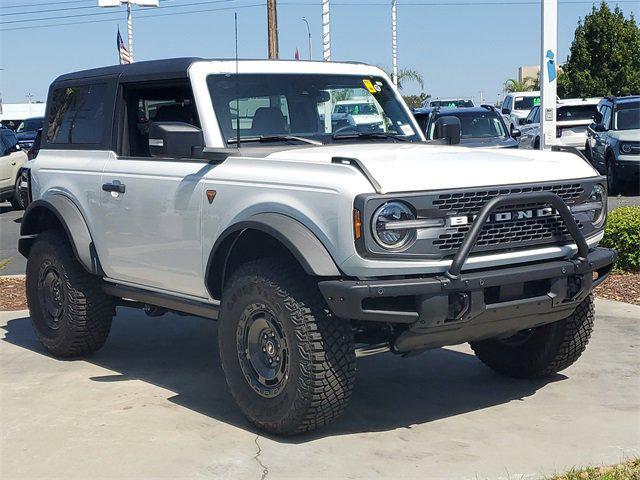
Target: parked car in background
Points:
(361, 113)
(572, 118)
(517, 105)
(12, 158)
(449, 102)
(27, 131)
(479, 127)
(613, 142)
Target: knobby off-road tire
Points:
(272, 312)
(16, 201)
(70, 313)
(542, 351)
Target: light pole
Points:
(326, 32)
(548, 73)
(394, 43)
(129, 4)
(304, 19)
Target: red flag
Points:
(297, 54)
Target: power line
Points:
(64, 17)
(140, 17)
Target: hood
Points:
(419, 167)
(626, 135)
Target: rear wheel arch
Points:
(266, 235)
(58, 212)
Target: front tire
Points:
(70, 313)
(289, 364)
(17, 202)
(541, 351)
(613, 183)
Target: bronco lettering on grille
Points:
(456, 221)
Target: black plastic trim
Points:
(192, 307)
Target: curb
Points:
(13, 276)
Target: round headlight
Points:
(625, 148)
(386, 229)
(598, 196)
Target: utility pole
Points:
(326, 32)
(481, 97)
(272, 29)
(394, 43)
(130, 30)
(29, 98)
(548, 73)
(304, 19)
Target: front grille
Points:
(471, 202)
(495, 236)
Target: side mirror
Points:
(448, 128)
(35, 148)
(506, 111)
(522, 121)
(174, 139)
(515, 133)
(597, 117)
(600, 127)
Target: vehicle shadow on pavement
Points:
(180, 354)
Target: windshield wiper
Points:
(274, 138)
(367, 135)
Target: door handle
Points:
(114, 187)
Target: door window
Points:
(506, 103)
(77, 115)
(606, 117)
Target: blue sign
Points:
(551, 66)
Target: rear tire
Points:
(70, 313)
(289, 364)
(541, 351)
(613, 183)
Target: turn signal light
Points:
(357, 224)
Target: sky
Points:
(461, 47)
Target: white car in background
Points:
(12, 158)
(517, 105)
(572, 118)
(359, 112)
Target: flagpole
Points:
(130, 30)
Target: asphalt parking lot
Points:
(10, 229)
(153, 404)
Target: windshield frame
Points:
(400, 112)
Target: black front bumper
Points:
(457, 307)
(439, 310)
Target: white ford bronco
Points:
(227, 190)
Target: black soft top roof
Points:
(169, 68)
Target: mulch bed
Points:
(622, 287)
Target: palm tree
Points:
(513, 85)
(408, 75)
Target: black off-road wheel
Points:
(289, 364)
(541, 351)
(613, 182)
(70, 313)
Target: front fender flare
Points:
(296, 237)
(73, 223)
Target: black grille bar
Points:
(542, 197)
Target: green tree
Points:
(415, 101)
(526, 85)
(407, 75)
(604, 57)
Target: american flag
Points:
(125, 56)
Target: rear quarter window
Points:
(77, 115)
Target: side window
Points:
(154, 102)
(606, 117)
(536, 115)
(506, 103)
(531, 116)
(9, 140)
(77, 115)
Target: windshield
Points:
(451, 103)
(476, 125)
(526, 103)
(312, 106)
(627, 116)
(30, 125)
(576, 112)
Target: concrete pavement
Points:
(153, 404)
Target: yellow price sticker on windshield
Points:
(369, 86)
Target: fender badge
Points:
(211, 194)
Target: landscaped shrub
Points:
(623, 234)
